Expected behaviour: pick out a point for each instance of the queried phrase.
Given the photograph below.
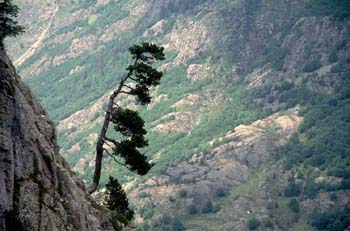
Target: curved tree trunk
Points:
(102, 137)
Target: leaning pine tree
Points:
(137, 82)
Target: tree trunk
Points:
(102, 137)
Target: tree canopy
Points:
(8, 25)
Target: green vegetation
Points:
(292, 190)
(324, 138)
(116, 200)
(294, 205)
(8, 24)
(312, 66)
(137, 82)
(253, 224)
(183, 193)
(331, 221)
(64, 91)
(220, 192)
(207, 207)
(332, 57)
(192, 209)
(338, 9)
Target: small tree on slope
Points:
(116, 199)
(8, 26)
(140, 77)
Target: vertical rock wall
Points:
(37, 189)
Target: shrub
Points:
(268, 224)
(208, 207)
(192, 209)
(183, 193)
(116, 199)
(172, 199)
(332, 57)
(337, 68)
(178, 225)
(253, 224)
(294, 205)
(292, 190)
(220, 192)
(312, 66)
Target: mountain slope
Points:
(229, 64)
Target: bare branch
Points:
(129, 87)
(117, 161)
(126, 92)
(111, 140)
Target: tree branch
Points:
(129, 87)
(117, 161)
(111, 140)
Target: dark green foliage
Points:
(312, 66)
(144, 74)
(117, 220)
(253, 224)
(172, 199)
(276, 57)
(220, 192)
(311, 188)
(332, 57)
(192, 209)
(338, 9)
(134, 160)
(273, 54)
(183, 193)
(178, 225)
(338, 67)
(116, 199)
(268, 224)
(294, 205)
(340, 45)
(331, 221)
(207, 207)
(128, 122)
(8, 25)
(292, 190)
(326, 140)
(168, 223)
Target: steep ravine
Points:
(38, 191)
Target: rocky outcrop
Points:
(38, 191)
(233, 163)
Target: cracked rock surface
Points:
(38, 191)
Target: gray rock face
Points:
(37, 189)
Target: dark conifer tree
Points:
(116, 199)
(8, 24)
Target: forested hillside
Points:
(249, 128)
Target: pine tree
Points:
(137, 82)
(116, 200)
(8, 24)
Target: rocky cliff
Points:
(38, 191)
(249, 126)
